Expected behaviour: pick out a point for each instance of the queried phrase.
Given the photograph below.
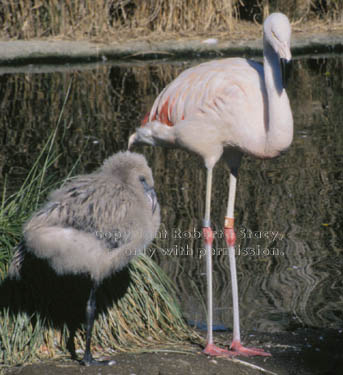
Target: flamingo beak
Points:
(285, 51)
(132, 140)
(285, 71)
(285, 57)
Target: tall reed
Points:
(111, 19)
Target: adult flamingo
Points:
(222, 109)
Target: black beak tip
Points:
(285, 70)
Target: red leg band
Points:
(230, 236)
(208, 235)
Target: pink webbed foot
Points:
(239, 349)
(215, 351)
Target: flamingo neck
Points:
(279, 129)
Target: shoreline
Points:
(301, 351)
(59, 52)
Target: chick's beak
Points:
(151, 194)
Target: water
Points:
(288, 210)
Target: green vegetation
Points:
(19, 338)
(16, 208)
(94, 19)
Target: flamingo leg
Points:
(210, 348)
(230, 236)
(88, 359)
(90, 316)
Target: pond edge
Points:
(16, 53)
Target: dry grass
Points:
(115, 19)
(186, 16)
(146, 318)
(96, 19)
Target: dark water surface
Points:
(288, 210)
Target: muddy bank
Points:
(301, 352)
(39, 51)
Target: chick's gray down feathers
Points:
(95, 223)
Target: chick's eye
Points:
(142, 179)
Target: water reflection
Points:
(289, 210)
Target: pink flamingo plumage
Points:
(222, 109)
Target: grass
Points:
(19, 338)
(113, 19)
(146, 317)
(16, 208)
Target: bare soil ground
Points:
(300, 352)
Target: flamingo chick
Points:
(223, 109)
(94, 225)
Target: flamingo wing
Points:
(215, 89)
